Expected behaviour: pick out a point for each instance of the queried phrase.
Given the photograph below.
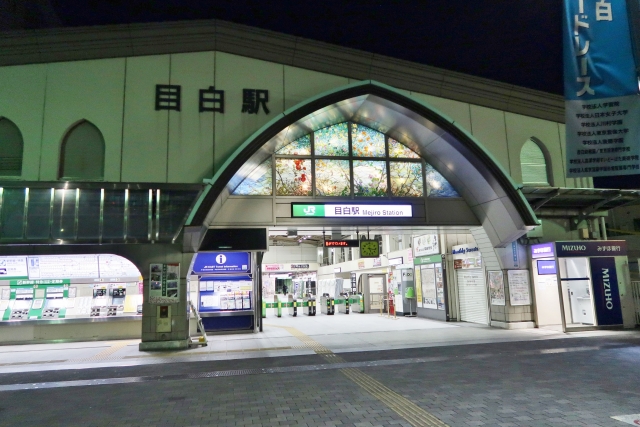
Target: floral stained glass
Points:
(299, 147)
(370, 178)
(437, 185)
(332, 141)
(366, 142)
(332, 178)
(406, 179)
(293, 177)
(398, 150)
(258, 182)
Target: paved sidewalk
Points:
(412, 372)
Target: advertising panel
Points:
(591, 248)
(496, 287)
(606, 298)
(164, 283)
(466, 256)
(429, 295)
(519, 293)
(425, 245)
(601, 87)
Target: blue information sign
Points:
(606, 298)
(222, 262)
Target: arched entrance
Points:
(317, 144)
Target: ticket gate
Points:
(310, 305)
(327, 305)
(343, 307)
(292, 306)
(357, 303)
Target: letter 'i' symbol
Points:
(220, 259)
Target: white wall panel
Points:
(190, 131)
(233, 74)
(144, 153)
(83, 90)
(22, 90)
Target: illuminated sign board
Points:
(344, 210)
(542, 250)
(342, 243)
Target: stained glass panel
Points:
(437, 185)
(369, 178)
(366, 142)
(332, 141)
(398, 150)
(406, 179)
(332, 178)
(299, 147)
(293, 177)
(257, 183)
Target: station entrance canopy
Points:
(482, 190)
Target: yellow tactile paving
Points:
(396, 402)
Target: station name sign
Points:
(350, 243)
(343, 210)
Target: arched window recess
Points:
(82, 154)
(11, 149)
(535, 163)
(342, 160)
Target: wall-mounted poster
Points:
(439, 286)
(428, 286)
(496, 287)
(417, 281)
(164, 283)
(519, 293)
(425, 245)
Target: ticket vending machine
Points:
(22, 304)
(100, 301)
(54, 303)
(116, 305)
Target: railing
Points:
(635, 291)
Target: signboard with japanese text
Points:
(425, 245)
(345, 210)
(519, 293)
(591, 248)
(13, 267)
(164, 283)
(601, 90)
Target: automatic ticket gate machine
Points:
(327, 305)
(343, 303)
(309, 303)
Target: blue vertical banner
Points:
(601, 90)
(606, 298)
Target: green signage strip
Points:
(427, 259)
(311, 210)
(39, 282)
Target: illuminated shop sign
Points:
(542, 250)
(342, 243)
(343, 210)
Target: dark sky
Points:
(513, 41)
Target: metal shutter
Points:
(473, 296)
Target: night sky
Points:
(513, 41)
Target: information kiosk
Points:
(225, 290)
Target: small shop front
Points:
(581, 284)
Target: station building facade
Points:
(136, 140)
